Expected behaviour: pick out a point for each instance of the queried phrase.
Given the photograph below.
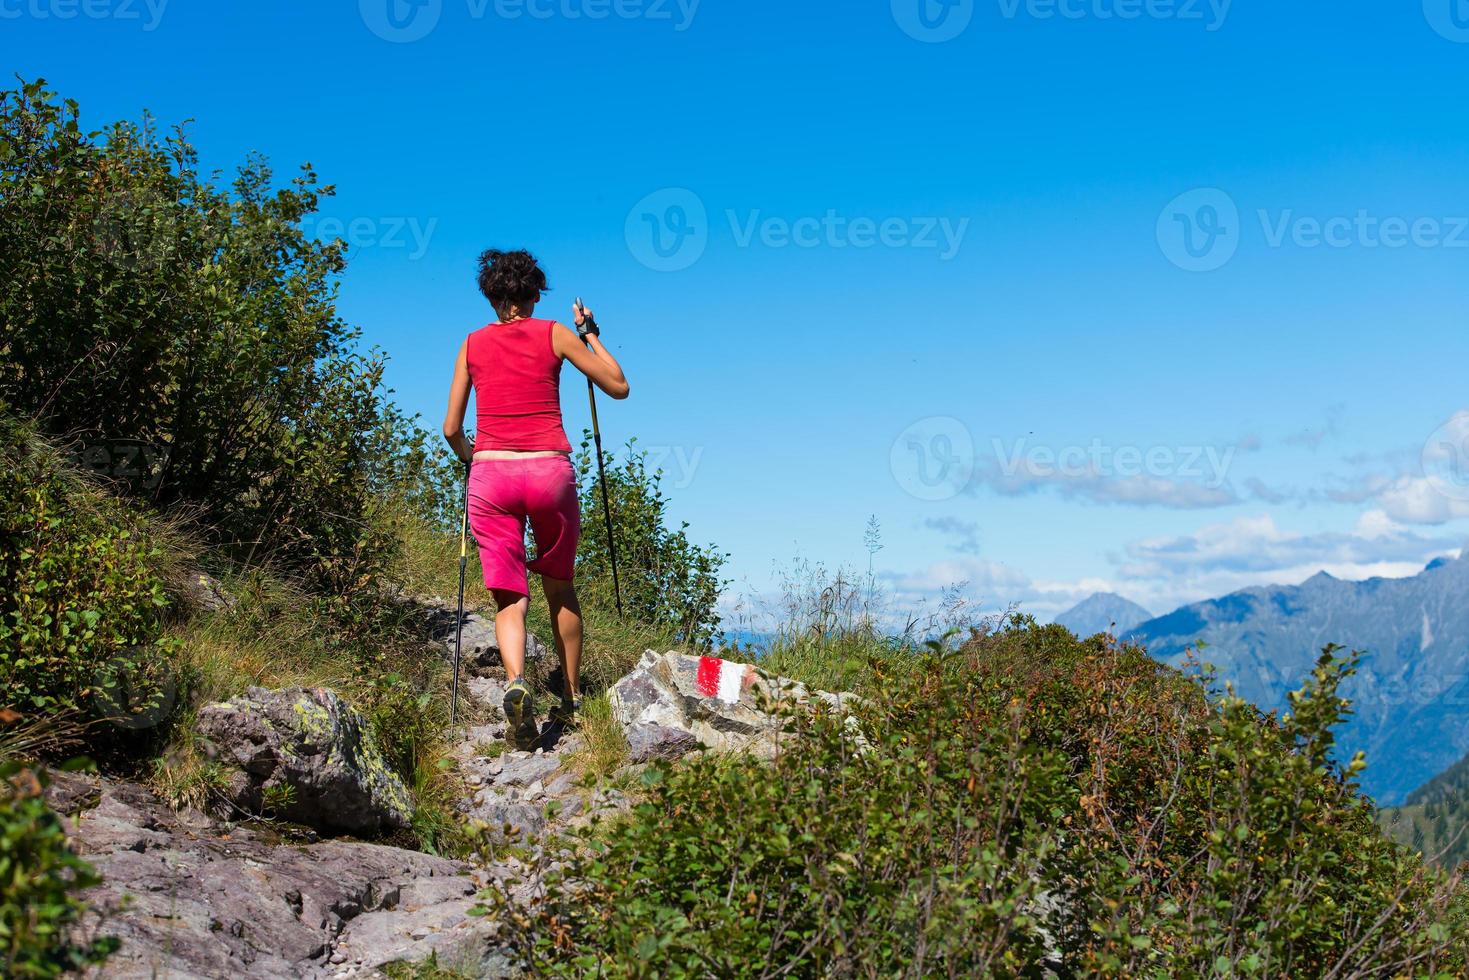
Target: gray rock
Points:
(68, 793)
(190, 900)
(571, 806)
(562, 785)
(508, 819)
(480, 649)
(460, 942)
(571, 742)
(665, 691)
(519, 769)
(489, 692)
(306, 755)
(646, 742)
(207, 593)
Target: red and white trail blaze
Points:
(722, 679)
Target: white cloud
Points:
(1418, 500)
(1164, 573)
(983, 577)
(1257, 544)
(1377, 524)
(1135, 490)
(1428, 485)
(1357, 490)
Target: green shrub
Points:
(80, 602)
(184, 335)
(668, 582)
(39, 879)
(1028, 798)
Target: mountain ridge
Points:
(1411, 693)
(1102, 612)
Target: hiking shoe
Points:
(520, 714)
(565, 713)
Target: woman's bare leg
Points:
(510, 631)
(566, 621)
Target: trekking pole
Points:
(589, 322)
(459, 617)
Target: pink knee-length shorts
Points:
(503, 495)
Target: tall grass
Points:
(828, 627)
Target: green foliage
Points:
(39, 879)
(148, 311)
(1028, 798)
(408, 713)
(80, 601)
(178, 336)
(278, 798)
(668, 582)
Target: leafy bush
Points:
(184, 335)
(80, 602)
(39, 879)
(1027, 799)
(668, 582)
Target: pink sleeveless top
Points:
(517, 387)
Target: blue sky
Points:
(1157, 296)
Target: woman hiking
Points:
(520, 466)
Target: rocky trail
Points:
(211, 895)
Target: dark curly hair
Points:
(508, 278)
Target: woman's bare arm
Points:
(458, 405)
(595, 361)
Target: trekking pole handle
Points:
(588, 325)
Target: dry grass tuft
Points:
(604, 745)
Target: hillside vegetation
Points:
(1022, 799)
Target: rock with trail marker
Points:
(719, 704)
(306, 756)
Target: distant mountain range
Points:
(1101, 613)
(1411, 694)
